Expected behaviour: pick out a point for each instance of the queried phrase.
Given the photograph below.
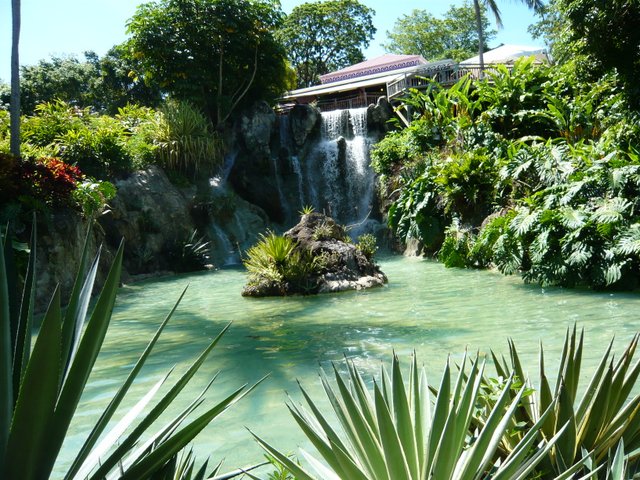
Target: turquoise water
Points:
(425, 307)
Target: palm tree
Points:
(492, 6)
(15, 79)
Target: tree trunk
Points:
(15, 79)
(476, 7)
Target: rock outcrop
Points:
(340, 265)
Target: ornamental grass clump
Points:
(42, 381)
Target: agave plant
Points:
(41, 386)
(393, 433)
(595, 422)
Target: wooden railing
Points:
(355, 101)
(444, 73)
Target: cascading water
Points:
(338, 176)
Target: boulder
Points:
(256, 127)
(152, 215)
(303, 120)
(343, 266)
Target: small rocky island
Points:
(315, 256)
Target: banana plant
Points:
(41, 386)
(393, 433)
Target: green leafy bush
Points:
(534, 141)
(93, 196)
(99, 148)
(457, 246)
(185, 140)
(368, 245)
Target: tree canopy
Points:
(454, 36)
(321, 37)
(215, 53)
(597, 37)
(105, 84)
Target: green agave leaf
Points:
(78, 303)
(153, 415)
(114, 434)
(28, 441)
(405, 426)
(106, 416)
(22, 341)
(6, 357)
(482, 451)
(84, 360)
(618, 465)
(167, 449)
(292, 466)
(391, 444)
(362, 437)
(319, 467)
(439, 419)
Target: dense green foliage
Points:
(597, 37)
(324, 36)
(276, 261)
(479, 426)
(529, 170)
(231, 58)
(42, 382)
(185, 140)
(104, 84)
(454, 36)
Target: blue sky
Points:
(66, 27)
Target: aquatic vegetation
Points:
(42, 382)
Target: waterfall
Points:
(283, 201)
(338, 175)
(330, 172)
(224, 246)
(297, 170)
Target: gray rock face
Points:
(152, 215)
(59, 249)
(256, 127)
(378, 116)
(346, 267)
(303, 120)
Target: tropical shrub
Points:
(549, 155)
(98, 148)
(368, 245)
(185, 140)
(276, 261)
(190, 254)
(42, 381)
(93, 196)
(48, 182)
(457, 245)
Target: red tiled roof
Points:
(385, 63)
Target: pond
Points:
(425, 307)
